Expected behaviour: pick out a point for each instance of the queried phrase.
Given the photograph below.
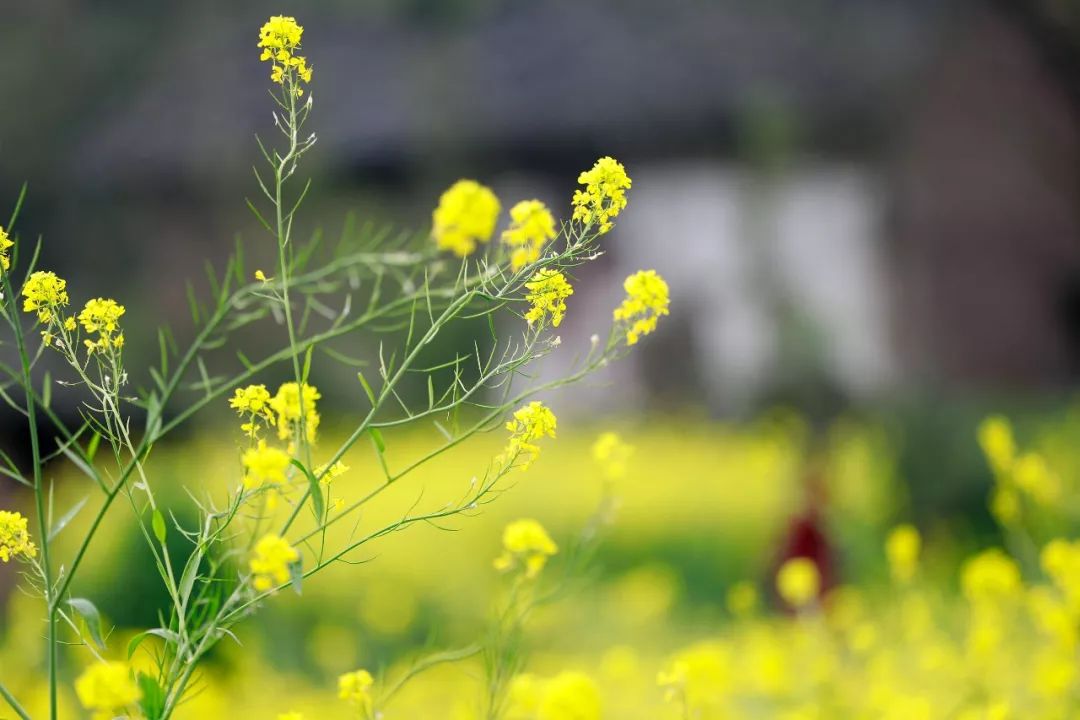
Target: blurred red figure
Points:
(807, 537)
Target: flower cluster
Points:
(5, 245)
(529, 424)
(604, 196)
(532, 226)
(646, 301)
(252, 402)
(612, 454)
(290, 405)
(526, 545)
(1017, 475)
(567, 696)
(14, 537)
(264, 464)
(355, 687)
(548, 290)
(466, 215)
(270, 562)
(279, 39)
(102, 316)
(45, 293)
(109, 690)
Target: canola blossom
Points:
(604, 196)
(465, 217)
(279, 39)
(532, 226)
(526, 545)
(645, 303)
(101, 316)
(44, 294)
(528, 425)
(356, 688)
(290, 404)
(14, 537)
(108, 689)
(270, 562)
(547, 293)
(5, 250)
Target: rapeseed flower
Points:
(108, 689)
(270, 562)
(356, 687)
(526, 545)
(102, 316)
(645, 303)
(279, 38)
(264, 464)
(529, 424)
(531, 227)
(45, 294)
(612, 454)
(990, 576)
(902, 550)
(252, 403)
(5, 245)
(286, 404)
(548, 290)
(14, 537)
(466, 215)
(604, 196)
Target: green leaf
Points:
(367, 387)
(315, 490)
(307, 364)
(46, 390)
(167, 635)
(378, 438)
(67, 518)
(153, 697)
(158, 523)
(90, 615)
(92, 446)
(296, 576)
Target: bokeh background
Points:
(868, 212)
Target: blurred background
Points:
(868, 212)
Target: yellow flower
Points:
(264, 464)
(355, 687)
(529, 424)
(261, 276)
(44, 294)
(466, 215)
(697, 676)
(280, 39)
(102, 316)
(253, 403)
(270, 562)
(286, 404)
(996, 438)
(527, 545)
(327, 474)
(290, 716)
(548, 291)
(604, 195)
(1032, 475)
(570, 696)
(108, 689)
(646, 301)
(798, 581)
(5, 245)
(14, 537)
(902, 550)
(990, 576)
(612, 454)
(531, 227)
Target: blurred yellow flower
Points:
(526, 544)
(798, 581)
(548, 290)
(531, 227)
(742, 599)
(902, 550)
(1032, 475)
(5, 245)
(108, 689)
(646, 302)
(529, 424)
(270, 562)
(996, 439)
(14, 537)
(604, 196)
(466, 215)
(612, 454)
(264, 464)
(990, 576)
(570, 696)
(286, 404)
(355, 687)
(252, 403)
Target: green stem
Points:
(6, 694)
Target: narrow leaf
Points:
(158, 523)
(315, 491)
(367, 387)
(90, 615)
(67, 518)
